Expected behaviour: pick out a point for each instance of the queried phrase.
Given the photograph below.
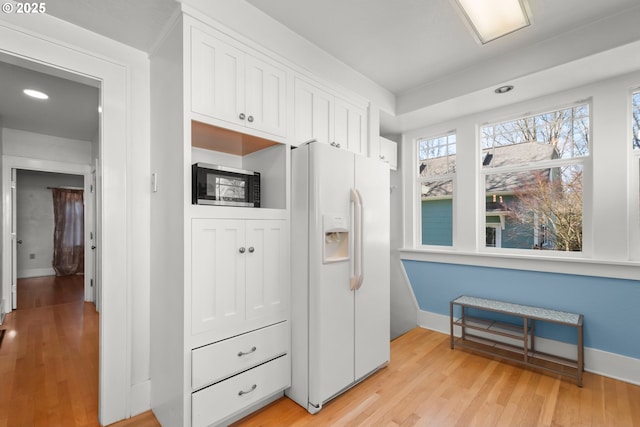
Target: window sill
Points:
(545, 263)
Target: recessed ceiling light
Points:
(504, 89)
(36, 94)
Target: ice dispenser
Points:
(336, 238)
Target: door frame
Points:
(114, 81)
(10, 163)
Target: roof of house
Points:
(505, 155)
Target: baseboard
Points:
(36, 272)
(596, 361)
(140, 398)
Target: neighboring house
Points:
(501, 229)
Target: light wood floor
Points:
(49, 358)
(49, 377)
(427, 384)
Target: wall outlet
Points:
(32, 256)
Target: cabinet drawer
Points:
(225, 358)
(224, 399)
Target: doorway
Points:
(35, 229)
(41, 49)
(37, 157)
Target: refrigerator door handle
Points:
(360, 236)
(357, 269)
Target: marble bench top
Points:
(521, 310)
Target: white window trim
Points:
(599, 257)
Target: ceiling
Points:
(70, 112)
(419, 50)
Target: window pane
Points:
(436, 156)
(437, 212)
(536, 209)
(635, 140)
(555, 135)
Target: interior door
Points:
(14, 241)
(372, 306)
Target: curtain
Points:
(68, 234)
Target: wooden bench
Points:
(523, 351)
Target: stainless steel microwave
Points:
(224, 186)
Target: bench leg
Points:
(451, 324)
(580, 355)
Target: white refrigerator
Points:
(340, 271)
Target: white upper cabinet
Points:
(350, 126)
(327, 118)
(230, 84)
(389, 152)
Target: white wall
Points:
(19, 143)
(124, 156)
(35, 219)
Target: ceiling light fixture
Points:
(35, 94)
(504, 89)
(491, 19)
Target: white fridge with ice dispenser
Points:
(340, 271)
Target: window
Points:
(635, 139)
(533, 174)
(436, 171)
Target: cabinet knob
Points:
(250, 119)
(241, 116)
(381, 157)
(251, 249)
(241, 250)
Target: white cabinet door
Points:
(389, 152)
(350, 128)
(314, 110)
(267, 290)
(231, 85)
(265, 96)
(239, 271)
(218, 273)
(217, 78)
(329, 119)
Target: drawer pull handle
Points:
(242, 353)
(242, 392)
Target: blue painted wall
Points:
(611, 307)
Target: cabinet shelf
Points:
(215, 138)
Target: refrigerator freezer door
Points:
(372, 321)
(331, 301)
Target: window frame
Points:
(583, 161)
(418, 182)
